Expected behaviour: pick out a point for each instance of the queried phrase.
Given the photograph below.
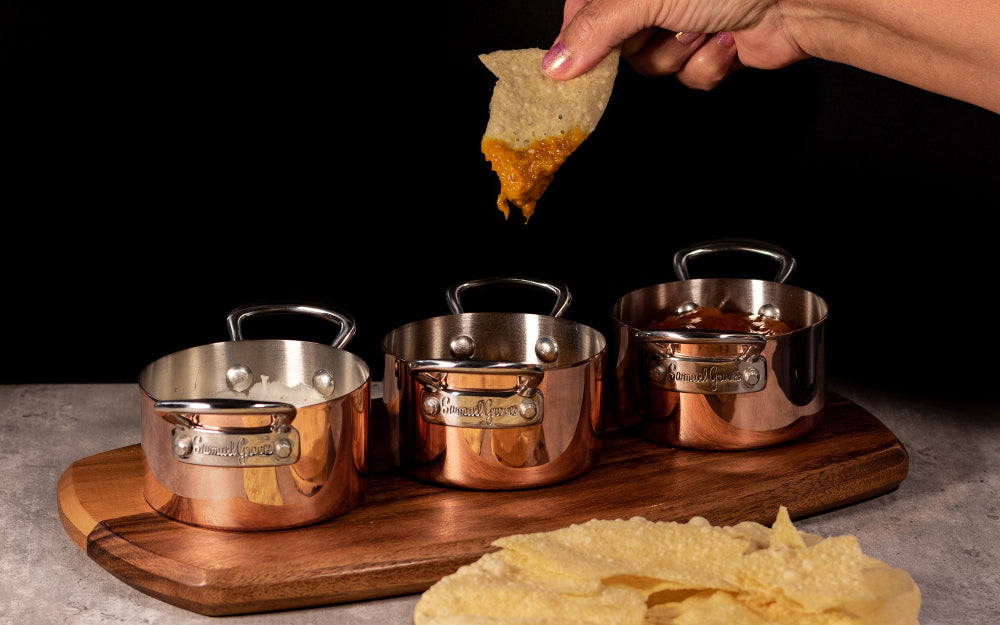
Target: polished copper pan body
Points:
(330, 475)
(790, 405)
(564, 444)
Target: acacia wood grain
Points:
(407, 535)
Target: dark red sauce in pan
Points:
(709, 318)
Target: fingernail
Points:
(556, 59)
(725, 39)
(687, 38)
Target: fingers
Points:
(592, 28)
(710, 64)
(665, 52)
(699, 61)
(638, 41)
(590, 31)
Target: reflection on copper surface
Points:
(329, 479)
(557, 443)
(791, 404)
(565, 445)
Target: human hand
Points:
(700, 42)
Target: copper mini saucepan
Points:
(257, 434)
(721, 390)
(496, 400)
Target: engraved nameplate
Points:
(231, 449)
(709, 376)
(476, 410)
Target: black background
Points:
(169, 162)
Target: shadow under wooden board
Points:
(407, 535)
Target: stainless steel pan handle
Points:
(745, 372)
(347, 326)
(561, 291)
(783, 258)
(444, 403)
(754, 343)
(187, 411)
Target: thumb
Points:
(590, 31)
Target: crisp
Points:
(675, 555)
(497, 589)
(535, 122)
(640, 572)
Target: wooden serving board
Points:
(407, 535)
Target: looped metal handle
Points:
(444, 404)
(744, 373)
(529, 375)
(235, 319)
(784, 259)
(561, 291)
(186, 412)
(666, 339)
(192, 442)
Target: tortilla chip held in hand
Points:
(536, 123)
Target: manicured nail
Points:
(556, 59)
(687, 38)
(725, 39)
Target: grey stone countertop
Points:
(942, 524)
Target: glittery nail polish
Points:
(725, 39)
(687, 38)
(556, 59)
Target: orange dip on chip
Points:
(525, 173)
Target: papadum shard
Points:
(536, 122)
(640, 572)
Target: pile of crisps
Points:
(640, 572)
